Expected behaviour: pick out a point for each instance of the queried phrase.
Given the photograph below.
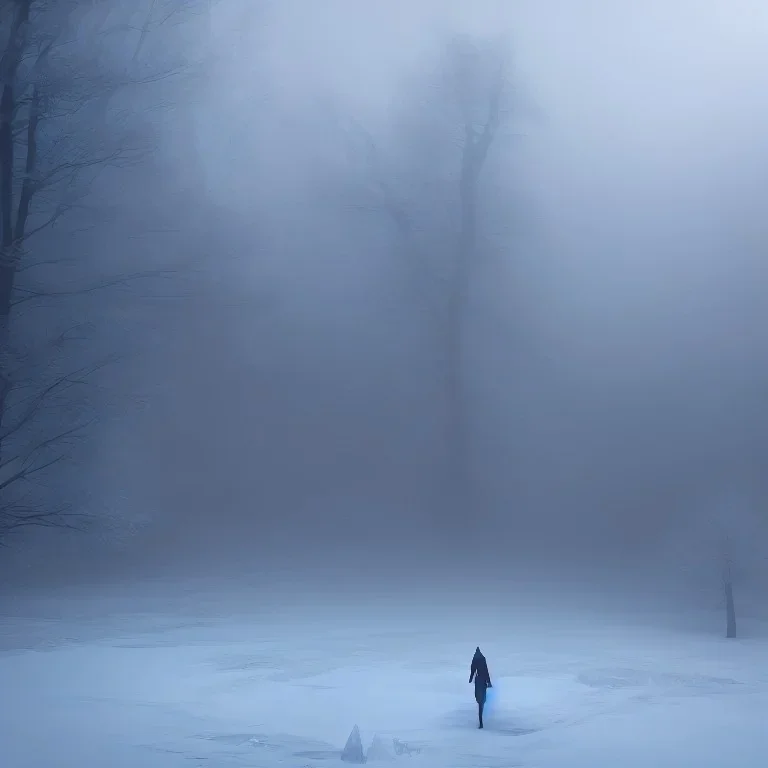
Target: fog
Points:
(338, 338)
(284, 382)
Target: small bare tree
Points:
(727, 571)
(721, 549)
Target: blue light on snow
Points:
(491, 697)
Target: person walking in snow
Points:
(479, 673)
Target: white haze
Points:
(616, 352)
(633, 261)
(278, 423)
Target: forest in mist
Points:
(286, 282)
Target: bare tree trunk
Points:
(459, 433)
(458, 485)
(455, 495)
(730, 606)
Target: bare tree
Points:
(737, 537)
(440, 247)
(69, 73)
(479, 78)
(16, 16)
(727, 575)
(720, 549)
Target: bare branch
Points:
(63, 121)
(16, 516)
(144, 31)
(113, 282)
(60, 210)
(33, 404)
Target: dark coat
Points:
(479, 672)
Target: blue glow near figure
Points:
(491, 697)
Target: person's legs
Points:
(480, 706)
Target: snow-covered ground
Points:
(272, 684)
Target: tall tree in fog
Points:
(70, 71)
(428, 182)
(478, 78)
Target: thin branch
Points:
(144, 32)
(35, 402)
(79, 165)
(16, 516)
(121, 280)
(59, 211)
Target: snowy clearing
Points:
(282, 687)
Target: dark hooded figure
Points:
(479, 672)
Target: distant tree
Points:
(730, 604)
(479, 78)
(720, 548)
(429, 189)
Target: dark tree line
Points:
(74, 75)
